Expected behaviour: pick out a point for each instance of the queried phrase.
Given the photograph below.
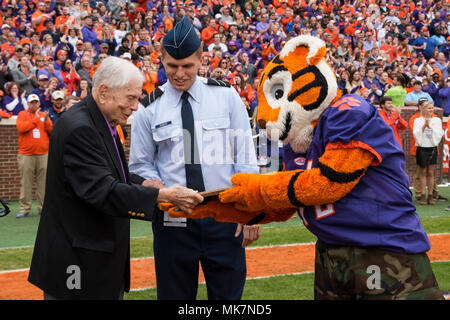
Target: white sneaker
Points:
(22, 215)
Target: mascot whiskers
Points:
(345, 178)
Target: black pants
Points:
(179, 252)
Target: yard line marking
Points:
(248, 279)
(16, 270)
(266, 261)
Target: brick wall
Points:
(9, 173)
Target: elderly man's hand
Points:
(183, 198)
(154, 183)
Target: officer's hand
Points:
(183, 198)
(251, 233)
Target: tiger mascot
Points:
(345, 178)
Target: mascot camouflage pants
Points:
(371, 273)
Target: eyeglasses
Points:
(4, 210)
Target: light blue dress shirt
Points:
(223, 133)
(413, 96)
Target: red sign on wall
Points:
(445, 159)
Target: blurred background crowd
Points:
(374, 46)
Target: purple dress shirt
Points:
(113, 132)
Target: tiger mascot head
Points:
(294, 90)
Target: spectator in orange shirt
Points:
(11, 42)
(282, 9)
(391, 115)
(267, 49)
(34, 129)
(150, 75)
(38, 18)
(208, 32)
(387, 45)
(277, 3)
(328, 5)
(64, 21)
(215, 60)
(156, 54)
(404, 10)
(168, 23)
(348, 6)
(160, 33)
(70, 76)
(288, 17)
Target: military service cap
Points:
(182, 40)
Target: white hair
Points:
(116, 73)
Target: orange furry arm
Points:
(228, 213)
(338, 172)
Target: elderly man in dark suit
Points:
(82, 245)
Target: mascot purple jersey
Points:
(378, 211)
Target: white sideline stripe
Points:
(274, 276)
(282, 245)
(263, 277)
(252, 248)
(20, 247)
(11, 271)
(253, 278)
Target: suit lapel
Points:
(103, 129)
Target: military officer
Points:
(194, 132)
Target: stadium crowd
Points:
(378, 48)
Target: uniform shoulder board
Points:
(220, 83)
(155, 94)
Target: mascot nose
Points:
(262, 123)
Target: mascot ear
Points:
(316, 48)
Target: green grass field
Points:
(17, 238)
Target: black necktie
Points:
(194, 177)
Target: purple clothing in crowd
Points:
(444, 94)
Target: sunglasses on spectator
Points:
(4, 209)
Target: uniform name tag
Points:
(36, 134)
(163, 124)
(174, 222)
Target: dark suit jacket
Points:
(84, 228)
